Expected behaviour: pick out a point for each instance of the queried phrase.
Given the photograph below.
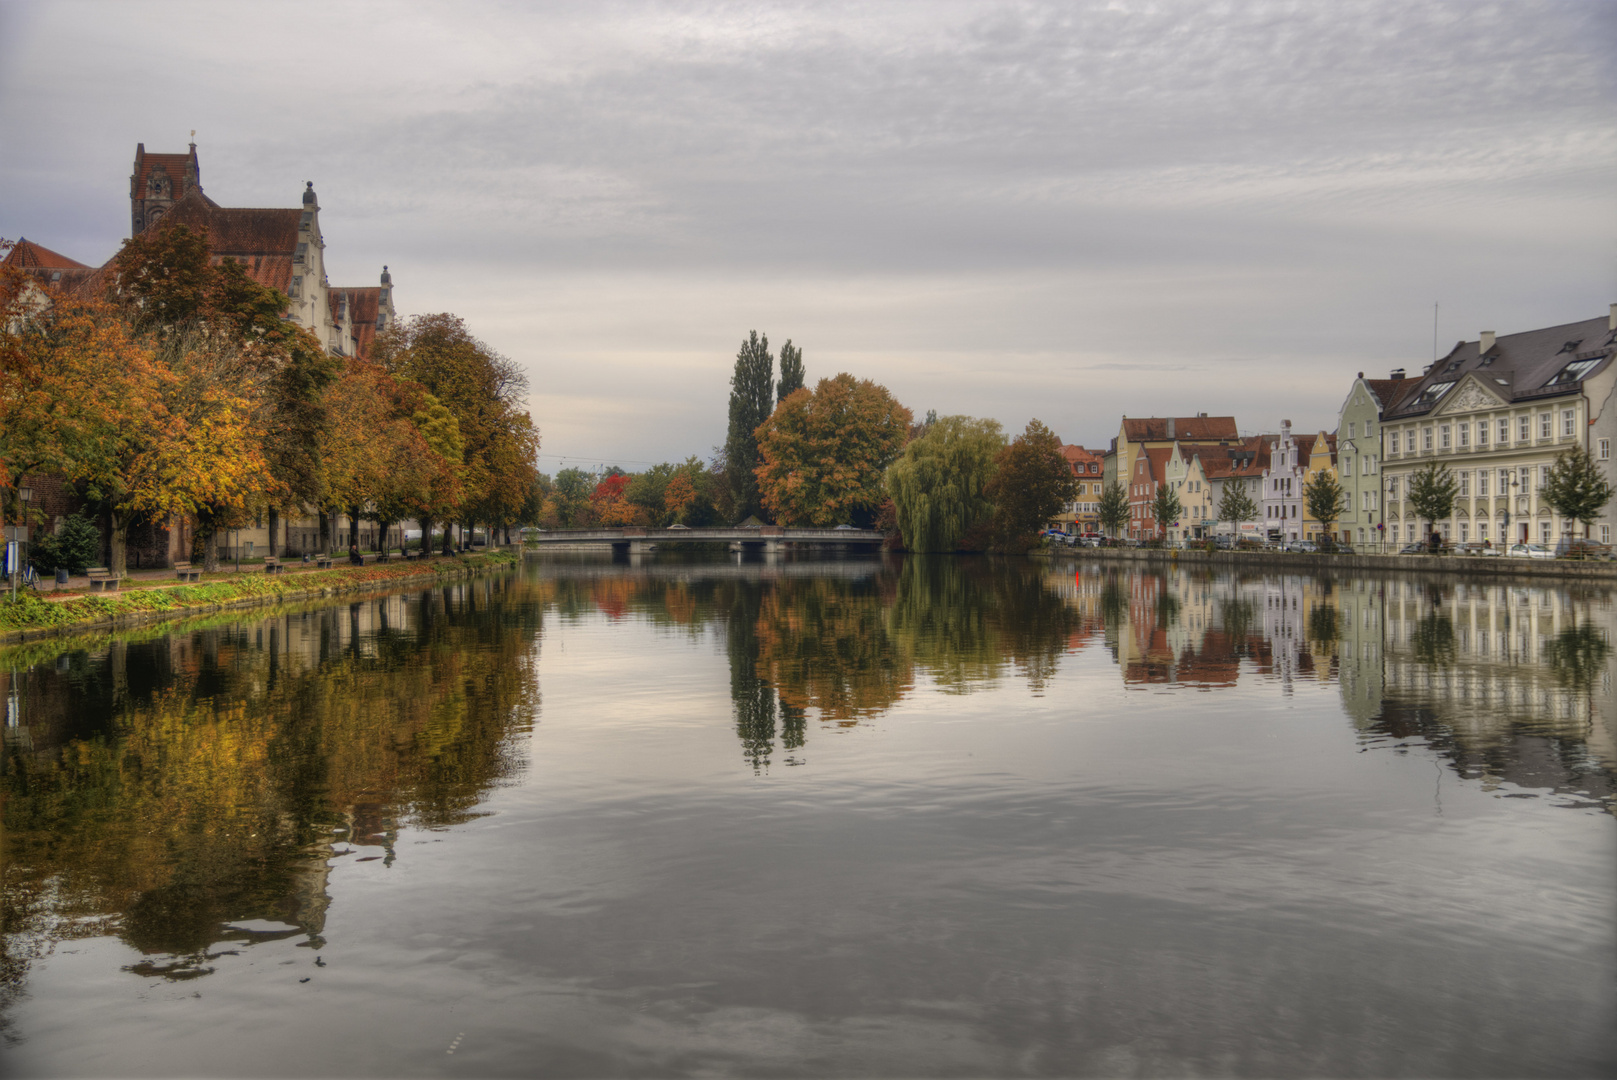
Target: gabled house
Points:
(1359, 455)
(1281, 512)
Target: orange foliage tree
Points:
(823, 452)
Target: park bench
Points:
(186, 572)
(272, 565)
(101, 579)
(322, 562)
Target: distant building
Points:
(1082, 515)
(1281, 512)
(1359, 457)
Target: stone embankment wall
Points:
(1471, 566)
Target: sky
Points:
(1068, 211)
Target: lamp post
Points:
(1505, 539)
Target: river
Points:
(867, 817)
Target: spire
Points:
(309, 198)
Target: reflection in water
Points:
(188, 792)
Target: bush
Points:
(75, 547)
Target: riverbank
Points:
(1465, 565)
(31, 616)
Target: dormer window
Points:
(303, 249)
(1434, 393)
(1576, 370)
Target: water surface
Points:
(941, 817)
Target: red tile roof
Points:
(1155, 429)
(32, 256)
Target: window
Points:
(1465, 485)
(1465, 532)
(1575, 371)
(1482, 483)
(303, 250)
(1482, 530)
(1544, 538)
(1427, 439)
(1526, 479)
(1350, 429)
(1524, 429)
(1543, 425)
(1568, 416)
(1392, 487)
(1603, 449)
(1370, 465)
(1392, 443)
(1465, 436)
(1504, 481)
(1543, 477)
(1605, 534)
(1504, 431)
(1443, 436)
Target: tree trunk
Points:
(118, 538)
(274, 530)
(210, 550)
(353, 527)
(323, 546)
(449, 538)
(426, 535)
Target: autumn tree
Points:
(938, 484)
(823, 452)
(571, 497)
(484, 391)
(751, 401)
(1032, 482)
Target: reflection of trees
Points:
(962, 620)
(824, 643)
(1433, 639)
(206, 774)
(1324, 625)
(1239, 617)
(1577, 655)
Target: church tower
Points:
(158, 182)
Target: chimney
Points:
(1170, 427)
(1486, 343)
(1398, 372)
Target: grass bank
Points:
(31, 615)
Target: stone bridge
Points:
(768, 538)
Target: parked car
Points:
(1579, 547)
(1531, 551)
(1417, 548)
(841, 527)
(1300, 546)
(1343, 548)
(679, 526)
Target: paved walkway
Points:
(79, 585)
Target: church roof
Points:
(263, 240)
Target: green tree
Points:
(938, 485)
(822, 453)
(791, 371)
(752, 398)
(75, 547)
(572, 497)
(1431, 493)
(1032, 482)
(1114, 507)
(1165, 506)
(1576, 489)
(1235, 505)
(1325, 501)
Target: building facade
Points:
(1497, 412)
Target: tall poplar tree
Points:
(791, 371)
(752, 399)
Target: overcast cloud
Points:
(1066, 211)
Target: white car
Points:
(1531, 551)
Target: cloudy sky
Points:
(1069, 211)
